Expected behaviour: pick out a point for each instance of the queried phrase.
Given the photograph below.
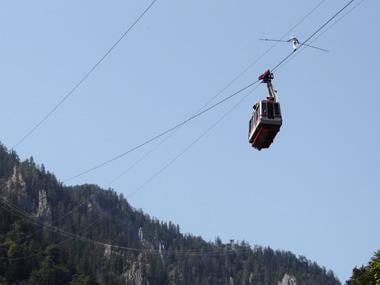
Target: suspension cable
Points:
(196, 115)
(204, 133)
(76, 236)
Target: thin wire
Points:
(12, 209)
(338, 20)
(46, 117)
(201, 112)
(327, 29)
(155, 175)
(129, 249)
(72, 235)
(69, 235)
(56, 222)
(203, 106)
(266, 52)
(140, 159)
(184, 122)
(187, 148)
(313, 34)
(20, 213)
(245, 70)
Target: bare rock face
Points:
(15, 191)
(43, 209)
(134, 273)
(288, 280)
(16, 182)
(143, 241)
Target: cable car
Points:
(266, 118)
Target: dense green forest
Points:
(367, 275)
(55, 234)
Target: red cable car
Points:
(266, 118)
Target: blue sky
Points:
(314, 192)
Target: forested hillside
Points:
(55, 234)
(367, 275)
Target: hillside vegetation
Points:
(55, 234)
(367, 275)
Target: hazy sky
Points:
(314, 192)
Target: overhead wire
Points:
(182, 123)
(54, 223)
(69, 235)
(199, 113)
(20, 213)
(313, 34)
(72, 235)
(327, 29)
(196, 115)
(229, 111)
(222, 90)
(255, 61)
(337, 21)
(189, 146)
(140, 159)
(225, 250)
(203, 106)
(87, 74)
(167, 165)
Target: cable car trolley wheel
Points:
(266, 117)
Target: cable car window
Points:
(270, 110)
(277, 111)
(264, 110)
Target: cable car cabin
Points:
(265, 123)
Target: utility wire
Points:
(184, 122)
(238, 76)
(164, 133)
(245, 70)
(188, 147)
(326, 29)
(230, 110)
(207, 109)
(203, 106)
(170, 251)
(72, 235)
(313, 34)
(20, 213)
(140, 159)
(338, 20)
(76, 86)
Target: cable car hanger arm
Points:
(267, 77)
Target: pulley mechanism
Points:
(267, 78)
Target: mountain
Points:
(56, 234)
